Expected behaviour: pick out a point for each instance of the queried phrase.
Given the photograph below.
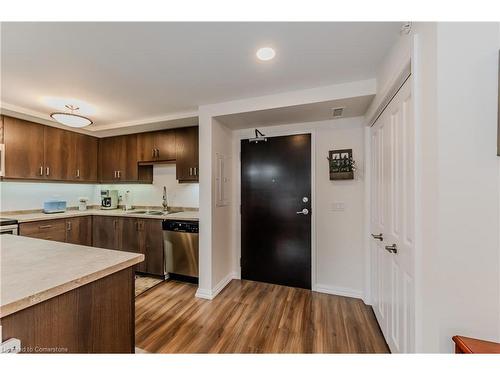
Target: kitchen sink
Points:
(147, 212)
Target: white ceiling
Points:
(296, 114)
(141, 72)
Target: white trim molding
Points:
(338, 291)
(211, 294)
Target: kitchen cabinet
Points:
(35, 151)
(59, 156)
(130, 233)
(156, 146)
(118, 159)
(24, 149)
(186, 149)
(79, 230)
(144, 236)
(75, 230)
(106, 232)
(83, 158)
(54, 230)
(152, 238)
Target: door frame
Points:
(273, 131)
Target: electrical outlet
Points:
(338, 206)
(12, 346)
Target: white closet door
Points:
(393, 216)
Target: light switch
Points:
(338, 206)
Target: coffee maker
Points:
(109, 199)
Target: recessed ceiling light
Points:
(265, 53)
(71, 119)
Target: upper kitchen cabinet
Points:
(86, 157)
(35, 151)
(156, 146)
(118, 160)
(24, 149)
(186, 149)
(59, 157)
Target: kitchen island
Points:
(65, 298)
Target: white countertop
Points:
(37, 216)
(34, 270)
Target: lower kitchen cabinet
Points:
(106, 232)
(75, 230)
(54, 230)
(153, 247)
(144, 236)
(79, 230)
(135, 235)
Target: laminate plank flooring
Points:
(254, 317)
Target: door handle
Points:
(152, 152)
(47, 171)
(378, 236)
(305, 211)
(190, 171)
(41, 170)
(393, 249)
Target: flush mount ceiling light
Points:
(71, 119)
(265, 53)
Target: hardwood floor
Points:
(253, 317)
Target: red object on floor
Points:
(467, 345)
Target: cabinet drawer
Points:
(39, 228)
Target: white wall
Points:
(31, 195)
(222, 229)
(179, 195)
(339, 235)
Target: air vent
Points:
(337, 112)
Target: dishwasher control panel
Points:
(180, 226)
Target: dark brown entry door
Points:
(275, 231)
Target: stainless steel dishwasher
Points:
(180, 238)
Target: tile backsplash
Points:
(31, 195)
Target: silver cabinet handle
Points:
(393, 249)
(41, 170)
(47, 226)
(190, 171)
(195, 171)
(152, 152)
(68, 226)
(157, 153)
(47, 171)
(78, 173)
(119, 174)
(378, 236)
(305, 211)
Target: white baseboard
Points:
(211, 294)
(338, 291)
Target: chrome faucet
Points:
(165, 202)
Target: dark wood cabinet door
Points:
(59, 157)
(111, 154)
(106, 232)
(23, 149)
(129, 234)
(153, 247)
(186, 144)
(52, 230)
(164, 143)
(132, 238)
(86, 158)
(145, 147)
(128, 164)
(79, 230)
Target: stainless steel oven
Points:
(8, 226)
